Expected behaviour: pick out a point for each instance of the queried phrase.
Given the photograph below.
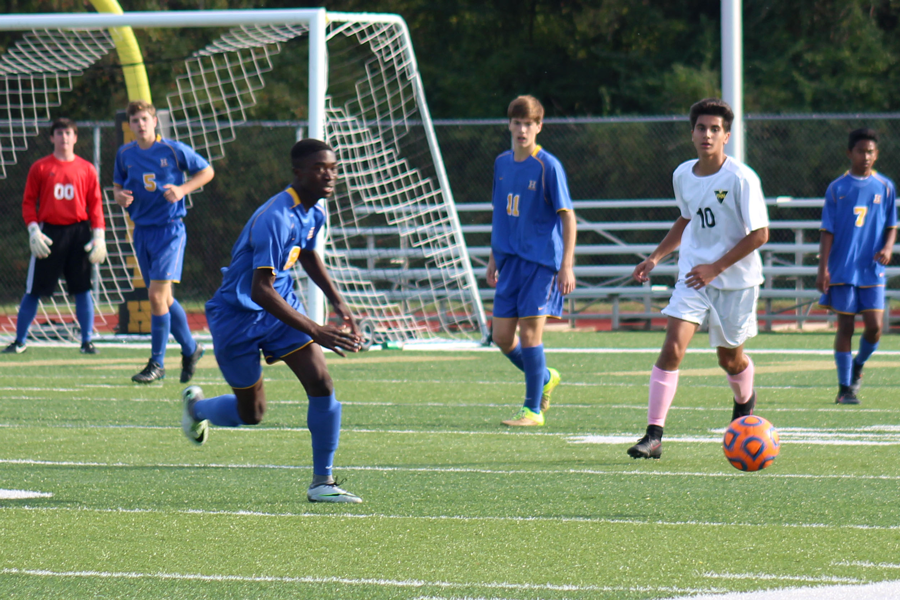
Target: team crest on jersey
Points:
(163, 162)
(877, 199)
(720, 195)
(292, 258)
(532, 185)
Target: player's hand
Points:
(123, 198)
(96, 247)
(823, 280)
(347, 319)
(492, 274)
(641, 272)
(38, 242)
(700, 276)
(337, 339)
(173, 193)
(884, 256)
(566, 280)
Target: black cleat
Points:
(856, 378)
(846, 396)
(151, 372)
(742, 410)
(15, 348)
(88, 348)
(649, 446)
(189, 363)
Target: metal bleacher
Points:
(603, 271)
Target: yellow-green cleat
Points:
(525, 418)
(548, 389)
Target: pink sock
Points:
(662, 391)
(742, 383)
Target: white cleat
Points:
(194, 430)
(330, 492)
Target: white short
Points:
(731, 313)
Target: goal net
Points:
(393, 242)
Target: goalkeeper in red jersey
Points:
(64, 214)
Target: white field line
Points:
(407, 583)
(876, 435)
(22, 495)
(504, 472)
(454, 518)
(865, 564)
(770, 577)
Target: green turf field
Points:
(456, 506)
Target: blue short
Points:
(159, 250)
(526, 289)
(239, 335)
(851, 299)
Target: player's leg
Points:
(536, 298)
(323, 419)
(871, 306)
(843, 300)
(43, 275)
(663, 385)
(733, 321)
(686, 310)
(503, 333)
(191, 350)
(78, 272)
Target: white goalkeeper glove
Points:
(97, 247)
(39, 243)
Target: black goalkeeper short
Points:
(67, 259)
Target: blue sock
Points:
(27, 312)
(221, 411)
(324, 422)
(515, 357)
(866, 348)
(535, 374)
(159, 337)
(843, 360)
(181, 331)
(84, 312)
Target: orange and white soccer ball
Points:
(751, 443)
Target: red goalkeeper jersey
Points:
(62, 193)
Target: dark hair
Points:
(304, 148)
(63, 123)
(527, 108)
(136, 106)
(715, 107)
(858, 135)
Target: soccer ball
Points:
(750, 443)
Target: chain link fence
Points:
(616, 159)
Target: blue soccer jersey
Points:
(273, 238)
(145, 173)
(526, 199)
(857, 212)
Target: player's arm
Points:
(823, 277)
(96, 248)
(38, 243)
(491, 274)
(566, 276)
(701, 275)
(666, 247)
(315, 268)
(884, 255)
(263, 293)
(174, 193)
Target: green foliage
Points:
(580, 58)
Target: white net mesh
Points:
(33, 75)
(394, 245)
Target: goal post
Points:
(393, 241)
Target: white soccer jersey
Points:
(723, 208)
